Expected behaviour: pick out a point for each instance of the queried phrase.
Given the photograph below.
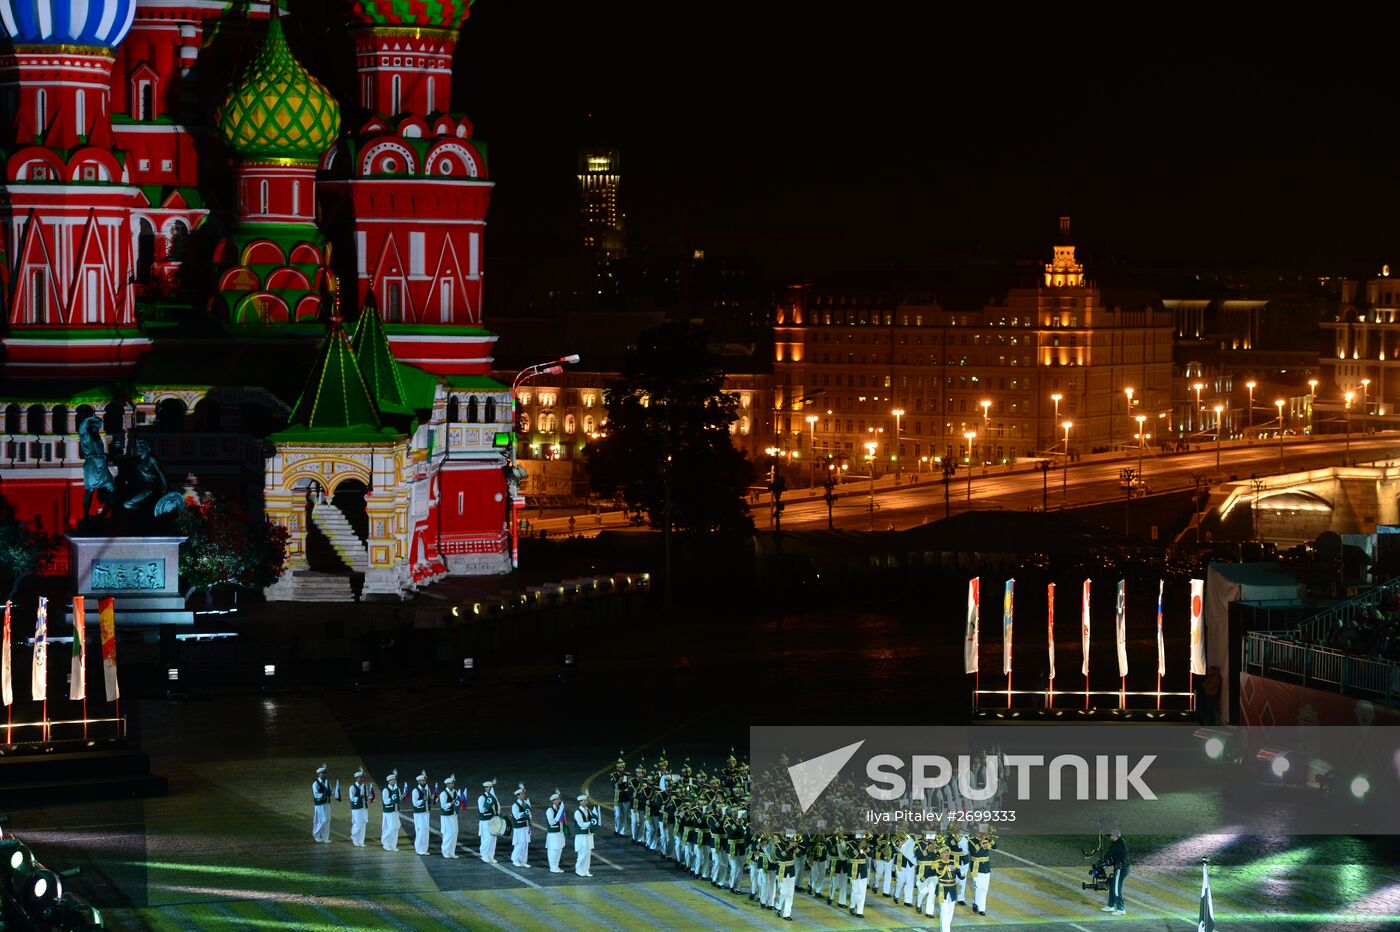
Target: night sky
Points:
(803, 135)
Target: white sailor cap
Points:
(422, 775)
(321, 769)
(488, 783)
(583, 797)
(393, 775)
(520, 789)
(359, 773)
(555, 795)
(450, 779)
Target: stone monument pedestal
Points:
(140, 574)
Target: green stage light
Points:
(1360, 786)
(15, 857)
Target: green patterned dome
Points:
(276, 109)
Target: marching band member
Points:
(556, 828)
(884, 859)
(860, 876)
(947, 870)
(622, 796)
(816, 865)
(447, 816)
(359, 810)
(520, 828)
(840, 871)
(487, 808)
(714, 828)
(785, 875)
(633, 816)
(966, 862)
(585, 823)
(389, 823)
(755, 869)
(641, 809)
(422, 798)
(905, 852)
(735, 836)
(925, 874)
(979, 853)
(321, 807)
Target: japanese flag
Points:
(1198, 640)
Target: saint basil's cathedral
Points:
(279, 291)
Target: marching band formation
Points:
(701, 823)
(494, 821)
(698, 821)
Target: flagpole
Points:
(46, 717)
(1159, 692)
(1122, 693)
(1008, 690)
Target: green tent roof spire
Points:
(335, 396)
(376, 360)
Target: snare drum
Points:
(497, 826)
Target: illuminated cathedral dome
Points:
(432, 14)
(276, 109)
(95, 23)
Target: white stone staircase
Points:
(331, 521)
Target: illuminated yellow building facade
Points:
(850, 359)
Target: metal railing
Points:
(1268, 655)
(1321, 626)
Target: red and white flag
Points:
(1120, 627)
(77, 679)
(970, 637)
(1084, 626)
(39, 670)
(6, 687)
(107, 618)
(1050, 625)
(1007, 602)
(1198, 640)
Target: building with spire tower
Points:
(283, 303)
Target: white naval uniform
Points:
(321, 810)
(520, 832)
(962, 860)
(389, 824)
(447, 821)
(556, 821)
(487, 807)
(422, 800)
(585, 822)
(359, 813)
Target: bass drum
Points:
(497, 826)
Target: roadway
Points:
(1089, 481)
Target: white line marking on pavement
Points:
(476, 853)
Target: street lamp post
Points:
(969, 436)
(1112, 430)
(1142, 441)
(1249, 419)
(1312, 399)
(1278, 403)
(1057, 397)
(513, 476)
(898, 445)
(986, 427)
(1219, 415)
(1365, 404)
(1064, 478)
(1197, 386)
(1347, 454)
(812, 436)
(870, 448)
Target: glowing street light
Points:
(986, 424)
(1278, 403)
(1057, 397)
(1312, 397)
(898, 444)
(1142, 441)
(812, 437)
(1197, 387)
(1219, 415)
(870, 448)
(1365, 405)
(969, 436)
(1249, 428)
(1064, 478)
(1349, 397)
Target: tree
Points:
(23, 549)
(666, 447)
(225, 546)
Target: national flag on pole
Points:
(1120, 626)
(1006, 604)
(970, 637)
(5, 685)
(1050, 625)
(1161, 647)
(107, 619)
(1198, 640)
(39, 672)
(77, 679)
(1084, 626)
(1206, 923)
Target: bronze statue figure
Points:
(97, 476)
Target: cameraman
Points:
(1117, 859)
